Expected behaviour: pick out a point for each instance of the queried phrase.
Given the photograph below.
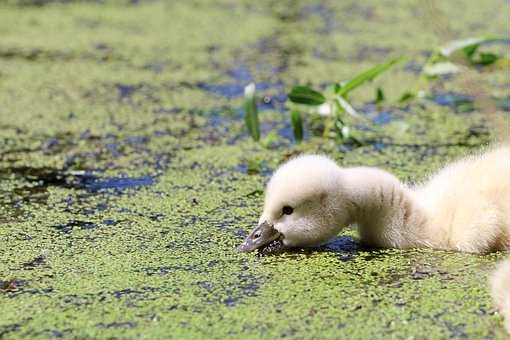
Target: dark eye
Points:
(287, 210)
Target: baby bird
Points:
(500, 287)
(464, 207)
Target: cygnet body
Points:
(464, 207)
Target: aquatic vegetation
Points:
(333, 105)
(446, 58)
(251, 112)
(454, 57)
(128, 177)
(297, 124)
(334, 101)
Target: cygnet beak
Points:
(260, 236)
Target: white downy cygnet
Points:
(500, 288)
(464, 207)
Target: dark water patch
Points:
(228, 91)
(241, 233)
(266, 45)
(33, 54)
(40, 3)
(136, 94)
(7, 329)
(345, 248)
(275, 102)
(126, 91)
(360, 10)
(378, 146)
(43, 176)
(458, 102)
(38, 261)
(136, 140)
(140, 294)
(117, 325)
(54, 333)
(254, 168)
(157, 217)
(38, 54)
(166, 270)
(342, 244)
(326, 15)
(78, 300)
(69, 226)
(40, 179)
(226, 223)
(30, 185)
(31, 291)
(114, 149)
(374, 254)
(155, 67)
(25, 194)
(247, 286)
(110, 222)
(117, 184)
(378, 117)
(383, 118)
(457, 331)
(241, 74)
(346, 147)
(504, 104)
(372, 53)
(165, 110)
(421, 274)
(413, 67)
(286, 131)
(326, 53)
(85, 204)
(52, 145)
(233, 90)
(130, 295)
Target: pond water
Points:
(127, 178)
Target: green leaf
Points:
(251, 117)
(468, 46)
(366, 76)
(297, 125)
(487, 58)
(379, 96)
(306, 95)
(469, 51)
(407, 96)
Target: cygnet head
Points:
(304, 206)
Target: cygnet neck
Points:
(384, 209)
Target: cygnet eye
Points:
(257, 235)
(287, 210)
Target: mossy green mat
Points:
(127, 180)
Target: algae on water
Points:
(126, 177)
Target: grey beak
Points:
(259, 237)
